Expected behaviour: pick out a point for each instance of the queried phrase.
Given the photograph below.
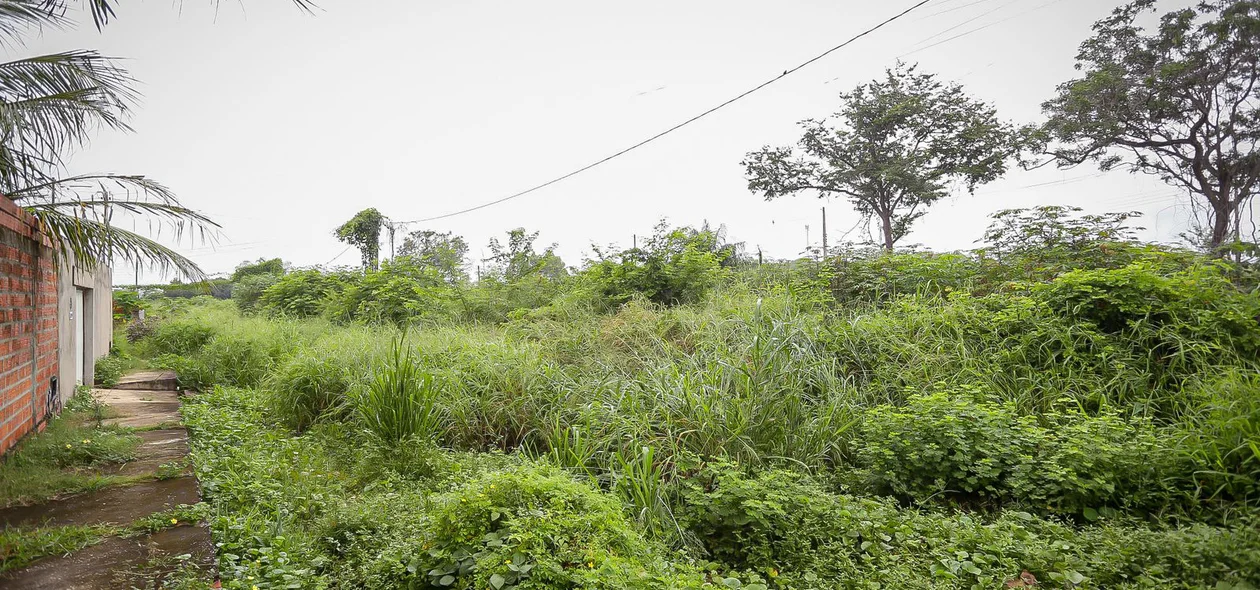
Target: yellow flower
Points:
(254, 587)
(86, 441)
(590, 564)
(507, 562)
(174, 521)
(68, 445)
(774, 573)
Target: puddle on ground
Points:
(117, 563)
(114, 505)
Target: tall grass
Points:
(400, 402)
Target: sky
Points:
(280, 125)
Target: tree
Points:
(517, 259)
(1178, 102)
(443, 251)
(363, 232)
(900, 143)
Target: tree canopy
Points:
(443, 251)
(363, 231)
(1178, 102)
(898, 145)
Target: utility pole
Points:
(807, 237)
(759, 259)
(634, 240)
(824, 220)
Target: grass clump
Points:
(400, 402)
(62, 459)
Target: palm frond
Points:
(92, 243)
(20, 16)
(83, 214)
(103, 10)
(52, 103)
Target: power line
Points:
(678, 126)
(980, 28)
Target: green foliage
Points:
(1070, 463)
(399, 403)
(300, 294)
(532, 528)
(775, 519)
(108, 369)
(248, 291)
(674, 266)
(517, 259)
(900, 142)
(442, 251)
(307, 389)
(363, 232)
(262, 266)
(1052, 238)
(397, 293)
(180, 337)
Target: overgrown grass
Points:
(61, 459)
(1098, 428)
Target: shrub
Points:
(775, 519)
(108, 370)
(308, 388)
(180, 337)
(139, 329)
(299, 294)
(247, 291)
(531, 527)
(952, 446)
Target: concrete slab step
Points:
(117, 505)
(141, 562)
(140, 408)
(152, 380)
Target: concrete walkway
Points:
(136, 561)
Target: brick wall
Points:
(28, 325)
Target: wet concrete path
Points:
(162, 460)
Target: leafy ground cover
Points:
(1078, 421)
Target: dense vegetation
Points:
(1062, 408)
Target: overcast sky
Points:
(282, 125)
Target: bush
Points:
(180, 337)
(945, 445)
(775, 519)
(531, 527)
(247, 291)
(108, 370)
(307, 389)
(299, 294)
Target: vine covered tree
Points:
(1178, 102)
(899, 145)
(363, 232)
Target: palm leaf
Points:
(103, 10)
(82, 215)
(52, 103)
(92, 243)
(20, 16)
